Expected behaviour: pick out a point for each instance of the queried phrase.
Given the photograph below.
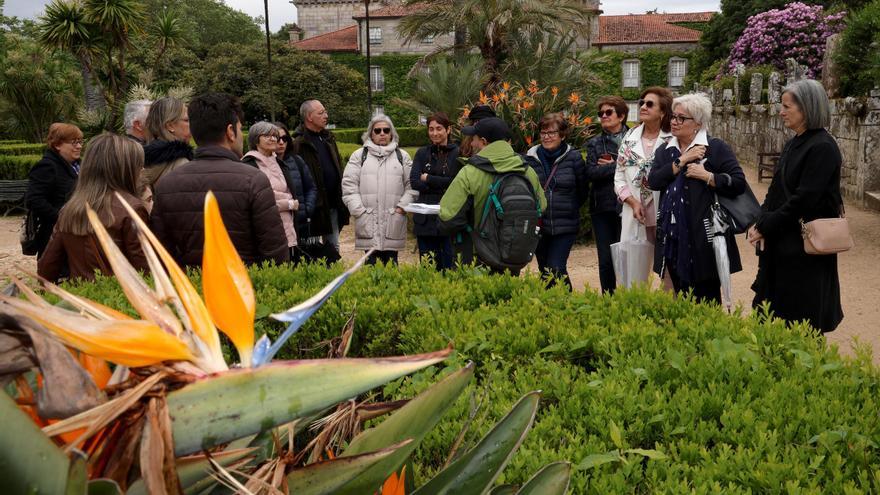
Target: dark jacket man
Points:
(329, 194)
(50, 183)
(247, 205)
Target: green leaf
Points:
(616, 436)
(37, 466)
(414, 420)
(329, 476)
(650, 454)
(552, 479)
(594, 460)
(238, 403)
(77, 476)
(104, 487)
(475, 471)
(192, 470)
(504, 490)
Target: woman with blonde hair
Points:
(112, 165)
(168, 137)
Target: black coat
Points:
(306, 191)
(729, 181)
(601, 177)
(566, 192)
(321, 224)
(50, 183)
(798, 285)
(441, 164)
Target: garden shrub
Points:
(859, 55)
(16, 167)
(409, 136)
(22, 149)
(736, 405)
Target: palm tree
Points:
(64, 26)
(445, 85)
(490, 26)
(168, 31)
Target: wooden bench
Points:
(767, 165)
(12, 195)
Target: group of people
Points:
(287, 198)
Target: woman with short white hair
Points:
(806, 186)
(689, 171)
(375, 188)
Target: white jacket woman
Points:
(376, 187)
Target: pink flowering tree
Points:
(795, 31)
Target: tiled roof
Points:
(638, 29)
(392, 12)
(343, 40)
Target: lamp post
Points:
(269, 63)
(369, 75)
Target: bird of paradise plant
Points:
(523, 105)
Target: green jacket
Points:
(463, 202)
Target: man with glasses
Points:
(317, 147)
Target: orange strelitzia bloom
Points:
(574, 98)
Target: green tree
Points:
(445, 85)
(298, 76)
(490, 27)
(208, 23)
(858, 58)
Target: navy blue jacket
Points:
(566, 192)
(441, 164)
(601, 177)
(729, 181)
(306, 191)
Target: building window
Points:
(375, 36)
(677, 72)
(377, 78)
(423, 119)
(378, 110)
(428, 39)
(633, 115)
(631, 74)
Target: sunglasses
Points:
(606, 113)
(646, 104)
(381, 130)
(680, 119)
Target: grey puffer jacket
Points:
(373, 190)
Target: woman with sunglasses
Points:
(52, 179)
(601, 165)
(634, 159)
(263, 142)
(561, 171)
(690, 170)
(375, 188)
(302, 185)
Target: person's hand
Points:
(399, 211)
(295, 205)
(424, 178)
(699, 172)
(638, 211)
(755, 238)
(604, 161)
(694, 154)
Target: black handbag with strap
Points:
(743, 209)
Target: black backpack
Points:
(509, 231)
(396, 153)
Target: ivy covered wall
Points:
(654, 68)
(397, 85)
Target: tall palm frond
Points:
(168, 31)
(550, 60)
(445, 85)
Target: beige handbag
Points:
(826, 236)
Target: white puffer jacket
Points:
(373, 191)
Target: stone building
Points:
(316, 17)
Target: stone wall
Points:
(756, 127)
(316, 17)
(392, 41)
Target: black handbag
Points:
(28, 235)
(743, 210)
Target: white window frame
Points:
(374, 36)
(677, 81)
(378, 110)
(428, 40)
(633, 115)
(423, 119)
(377, 79)
(633, 81)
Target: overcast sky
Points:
(281, 11)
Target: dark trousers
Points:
(705, 291)
(439, 248)
(552, 254)
(606, 231)
(383, 256)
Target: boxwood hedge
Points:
(736, 405)
(16, 167)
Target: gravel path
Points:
(859, 271)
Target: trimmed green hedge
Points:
(22, 149)
(409, 136)
(736, 405)
(346, 149)
(16, 167)
(4, 142)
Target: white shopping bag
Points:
(632, 259)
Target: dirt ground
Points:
(859, 271)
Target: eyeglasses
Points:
(549, 133)
(679, 118)
(77, 142)
(381, 130)
(606, 113)
(646, 103)
(272, 139)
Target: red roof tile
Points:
(392, 11)
(343, 40)
(637, 29)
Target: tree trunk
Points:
(91, 90)
(490, 63)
